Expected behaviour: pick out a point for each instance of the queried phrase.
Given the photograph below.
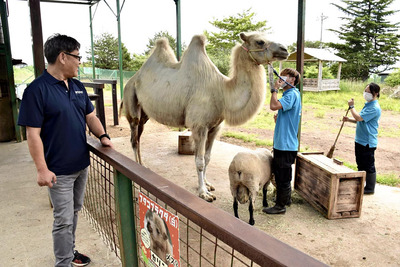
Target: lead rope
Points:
(276, 73)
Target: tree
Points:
(106, 53)
(158, 35)
(309, 44)
(370, 41)
(222, 42)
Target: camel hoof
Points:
(210, 187)
(207, 196)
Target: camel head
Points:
(261, 50)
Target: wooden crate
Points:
(185, 143)
(333, 189)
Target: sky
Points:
(141, 20)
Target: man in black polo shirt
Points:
(55, 110)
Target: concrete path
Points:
(26, 217)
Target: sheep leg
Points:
(251, 208)
(235, 207)
(199, 138)
(264, 190)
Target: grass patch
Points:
(249, 138)
(390, 179)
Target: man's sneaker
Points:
(80, 259)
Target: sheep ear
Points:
(243, 36)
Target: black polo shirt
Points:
(61, 115)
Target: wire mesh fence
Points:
(208, 236)
(197, 246)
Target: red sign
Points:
(159, 234)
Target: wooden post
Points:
(320, 67)
(37, 37)
(339, 71)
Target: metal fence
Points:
(208, 235)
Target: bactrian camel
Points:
(193, 93)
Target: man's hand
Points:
(106, 142)
(275, 116)
(46, 178)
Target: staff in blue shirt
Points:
(285, 136)
(366, 139)
(55, 110)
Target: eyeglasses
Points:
(75, 56)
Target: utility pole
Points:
(322, 26)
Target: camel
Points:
(194, 94)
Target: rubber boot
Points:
(282, 198)
(370, 180)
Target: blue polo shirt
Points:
(367, 130)
(287, 123)
(61, 115)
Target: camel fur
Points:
(193, 93)
(248, 172)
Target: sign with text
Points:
(159, 233)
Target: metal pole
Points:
(91, 42)
(126, 219)
(6, 48)
(178, 30)
(300, 51)
(121, 76)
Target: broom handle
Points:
(341, 127)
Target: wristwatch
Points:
(352, 106)
(104, 135)
(274, 90)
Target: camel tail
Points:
(121, 107)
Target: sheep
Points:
(247, 172)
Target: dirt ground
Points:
(371, 240)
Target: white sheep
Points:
(249, 171)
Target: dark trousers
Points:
(365, 158)
(282, 167)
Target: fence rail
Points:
(208, 235)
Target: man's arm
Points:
(45, 177)
(97, 128)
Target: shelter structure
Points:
(320, 56)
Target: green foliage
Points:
(310, 44)
(23, 75)
(106, 53)
(158, 35)
(370, 41)
(390, 179)
(312, 72)
(221, 43)
(394, 78)
(138, 61)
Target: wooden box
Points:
(333, 189)
(185, 143)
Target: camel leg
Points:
(199, 138)
(212, 134)
(143, 119)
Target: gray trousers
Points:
(67, 198)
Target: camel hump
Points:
(162, 43)
(164, 53)
(199, 40)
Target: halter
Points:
(276, 73)
(255, 50)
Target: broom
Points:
(330, 153)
